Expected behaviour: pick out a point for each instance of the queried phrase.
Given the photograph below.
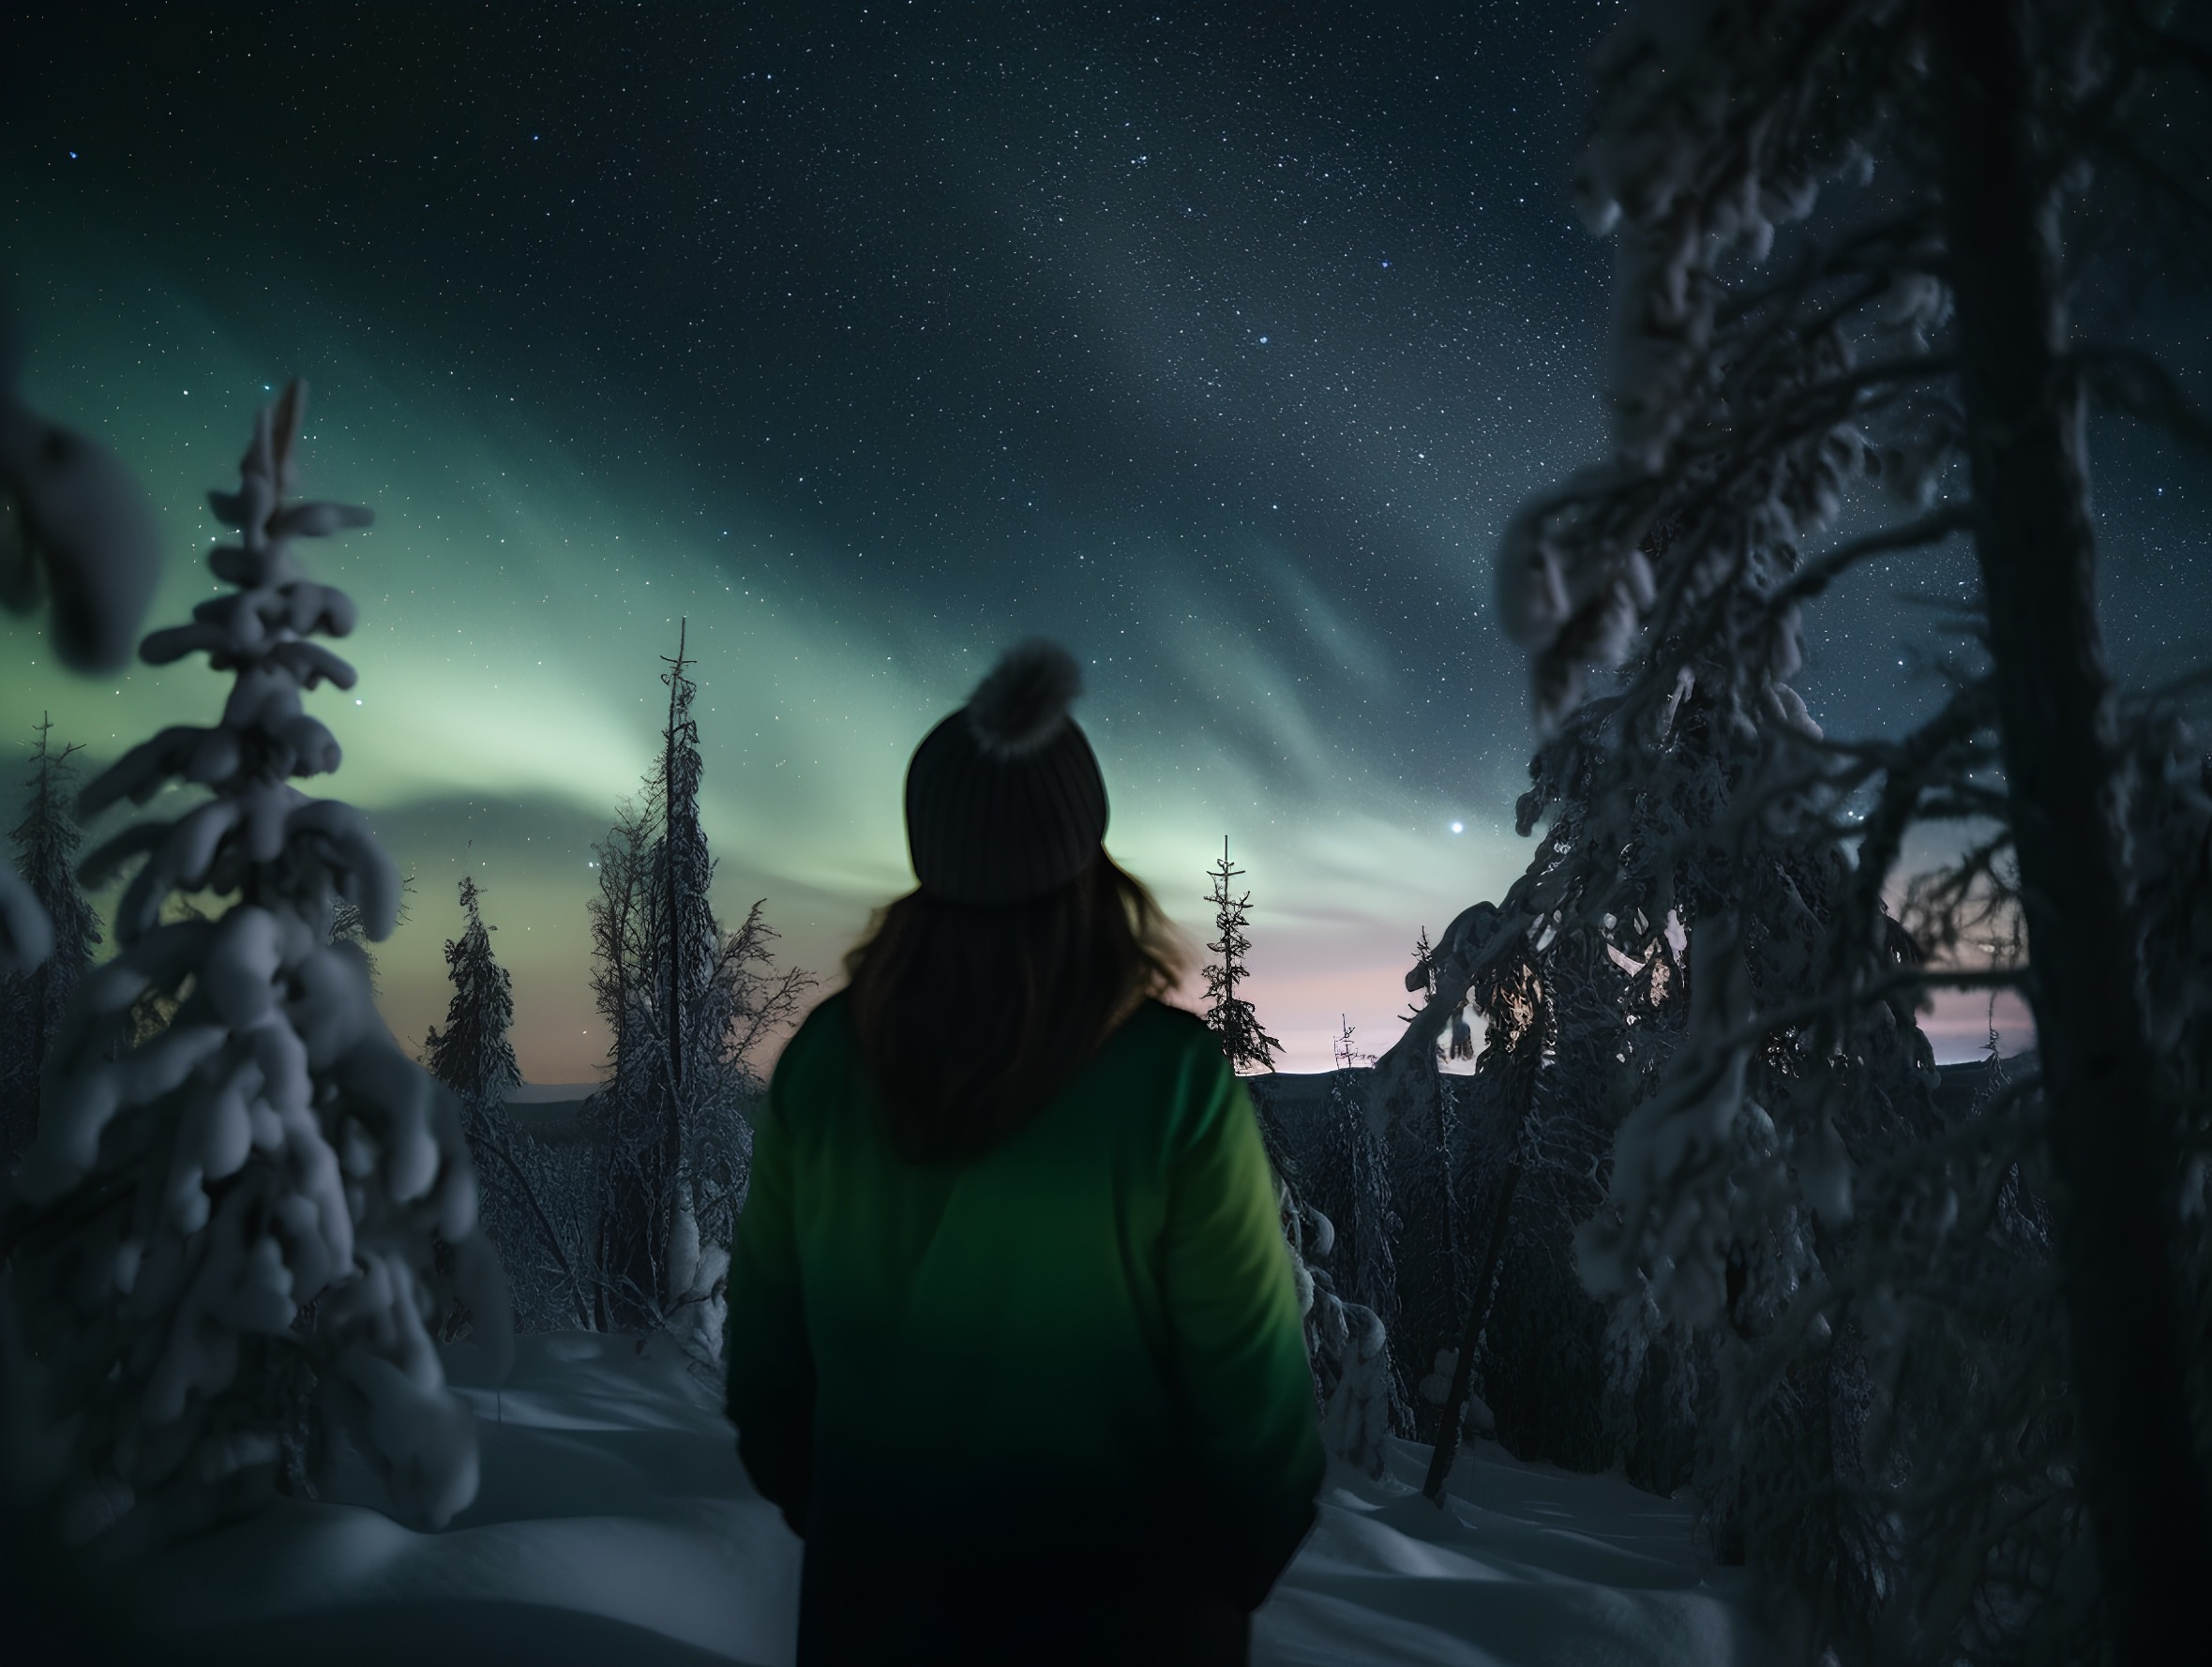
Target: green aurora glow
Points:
(514, 609)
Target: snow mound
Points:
(1529, 1566)
(615, 1523)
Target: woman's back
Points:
(1056, 1392)
(1012, 1339)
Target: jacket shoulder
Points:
(1178, 1031)
(1162, 1034)
(829, 1025)
(823, 1047)
(1180, 1058)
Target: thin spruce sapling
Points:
(1229, 1015)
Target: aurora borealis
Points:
(1216, 341)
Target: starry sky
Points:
(1216, 340)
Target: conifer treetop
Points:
(1344, 1050)
(1229, 1015)
(474, 1055)
(257, 834)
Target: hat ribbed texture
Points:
(988, 826)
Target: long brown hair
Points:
(971, 1016)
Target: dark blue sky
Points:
(1218, 340)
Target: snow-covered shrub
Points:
(1347, 1346)
(223, 1241)
(1356, 1417)
(1435, 1390)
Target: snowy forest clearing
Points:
(615, 1523)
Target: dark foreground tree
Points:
(2003, 138)
(45, 842)
(1948, 1338)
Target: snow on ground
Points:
(616, 1525)
(1532, 1565)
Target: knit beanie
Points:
(1005, 801)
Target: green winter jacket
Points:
(1051, 1402)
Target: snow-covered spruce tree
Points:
(1782, 1190)
(1345, 1294)
(1347, 1344)
(45, 843)
(74, 528)
(1427, 1247)
(1563, 1052)
(1334, 1333)
(219, 1250)
(533, 1210)
(1229, 1015)
(1347, 1348)
(686, 1004)
(1583, 989)
(474, 1055)
(1351, 1183)
(1353, 1173)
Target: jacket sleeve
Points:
(1239, 1341)
(770, 1363)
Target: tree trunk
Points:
(1462, 1370)
(2113, 1147)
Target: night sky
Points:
(1216, 341)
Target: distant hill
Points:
(551, 1112)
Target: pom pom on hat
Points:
(1024, 701)
(1005, 799)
